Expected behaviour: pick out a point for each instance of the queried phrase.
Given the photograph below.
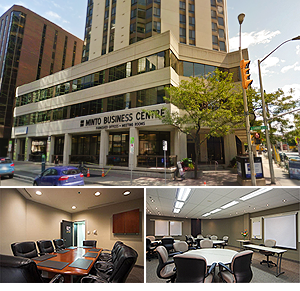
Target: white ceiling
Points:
(205, 199)
(65, 198)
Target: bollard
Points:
(88, 173)
(103, 175)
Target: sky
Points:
(267, 24)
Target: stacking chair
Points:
(240, 269)
(24, 249)
(200, 236)
(192, 268)
(206, 243)
(90, 243)
(225, 239)
(213, 237)
(59, 244)
(165, 268)
(168, 242)
(190, 240)
(45, 246)
(22, 270)
(180, 247)
(268, 243)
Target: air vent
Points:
(101, 205)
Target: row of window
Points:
(130, 100)
(142, 65)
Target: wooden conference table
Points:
(72, 261)
(279, 253)
(213, 255)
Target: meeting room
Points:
(222, 235)
(59, 235)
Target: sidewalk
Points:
(29, 170)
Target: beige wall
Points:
(235, 225)
(23, 220)
(100, 219)
(150, 225)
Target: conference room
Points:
(59, 235)
(222, 235)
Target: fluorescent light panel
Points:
(256, 193)
(216, 210)
(206, 214)
(179, 204)
(183, 193)
(229, 204)
(176, 210)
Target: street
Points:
(25, 172)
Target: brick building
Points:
(31, 47)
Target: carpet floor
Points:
(261, 273)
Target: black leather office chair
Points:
(24, 249)
(192, 268)
(122, 267)
(190, 240)
(106, 254)
(59, 244)
(240, 269)
(149, 249)
(168, 242)
(90, 243)
(45, 246)
(165, 268)
(268, 243)
(22, 270)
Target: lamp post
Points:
(264, 110)
(246, 111)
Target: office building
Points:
(112, 25)
(31, 47)
(77, 217)
(96, 111)
(222, 216)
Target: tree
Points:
(276, 103)
(213, 103)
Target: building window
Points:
(221, 21)
(64, 53)
(38, 75)
(182, 5)
(182, 18)
(214, 27)
(222, 46)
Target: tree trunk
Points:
(197, 150)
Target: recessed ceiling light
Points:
(38, 193)
(74, 207)
(284, 200)
(127, 192)
(97, 194)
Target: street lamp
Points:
(246, 111)
(264, 110)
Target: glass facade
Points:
(10, 52)
(87, 33)
(145, 19)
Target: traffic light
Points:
(244, 65)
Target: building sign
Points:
(138, 118)
(21, 130)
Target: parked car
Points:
(60, 176)
(7, 167)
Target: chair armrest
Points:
(92, 279)
(212, 267)
(225, 267)
(173, 254)
(58, 278)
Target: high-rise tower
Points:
(112, 24)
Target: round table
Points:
(213, 255)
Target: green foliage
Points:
(212, 102)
